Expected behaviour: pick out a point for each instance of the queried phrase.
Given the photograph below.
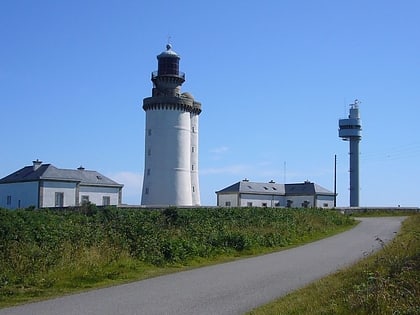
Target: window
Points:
(106, 200)
(264, 204)
(265, 188)
(305, 204)
(9, 200)
(192, 149)
(59, 199)
(227, 203)
(85, 199)
(325, 205)
(192, 167)
(193, 188)
(148, 172)
(249, 204)
(149, 132)
(149, 152)
(147, 191)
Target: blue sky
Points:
(273, 77)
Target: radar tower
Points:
(350, 130)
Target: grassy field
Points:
(387, 282)
(46, 253)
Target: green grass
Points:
(383, 213)
(387, 282)
(47, 253)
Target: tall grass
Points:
(387, 282)
(44, 252)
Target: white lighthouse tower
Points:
(171, 138)
(350, 130)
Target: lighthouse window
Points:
(147, 191)
(149, 132)
(192, 149)
(193, 129)
(193, 188)
(148, 172)
(192, 167)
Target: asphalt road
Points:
(229, 288)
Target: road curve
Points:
(229, 288)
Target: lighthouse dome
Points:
(168, 53)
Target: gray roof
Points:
(306, 188)
(271, 188)
(245, 186)
(50, 172)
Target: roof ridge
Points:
(51, 172)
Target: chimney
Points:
(36, 164)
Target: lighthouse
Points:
(171, 138)
(350, 130)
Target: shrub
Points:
(36, 245)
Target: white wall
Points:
(259, 200)
(51, 187)
(22, 195)
(97, 193)
(167, 158)
(255, 199)
(25, 194)
(299, 200)
(322, 200)
(222, 199)
(194, 160)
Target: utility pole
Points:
(335, 180)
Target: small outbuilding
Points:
(46, 186)
(253, 194)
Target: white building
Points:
(253, 194)
(171, 138)
(45, 186)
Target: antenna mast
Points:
(350, 130)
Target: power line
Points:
(405, 151)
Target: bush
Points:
(36, 245)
